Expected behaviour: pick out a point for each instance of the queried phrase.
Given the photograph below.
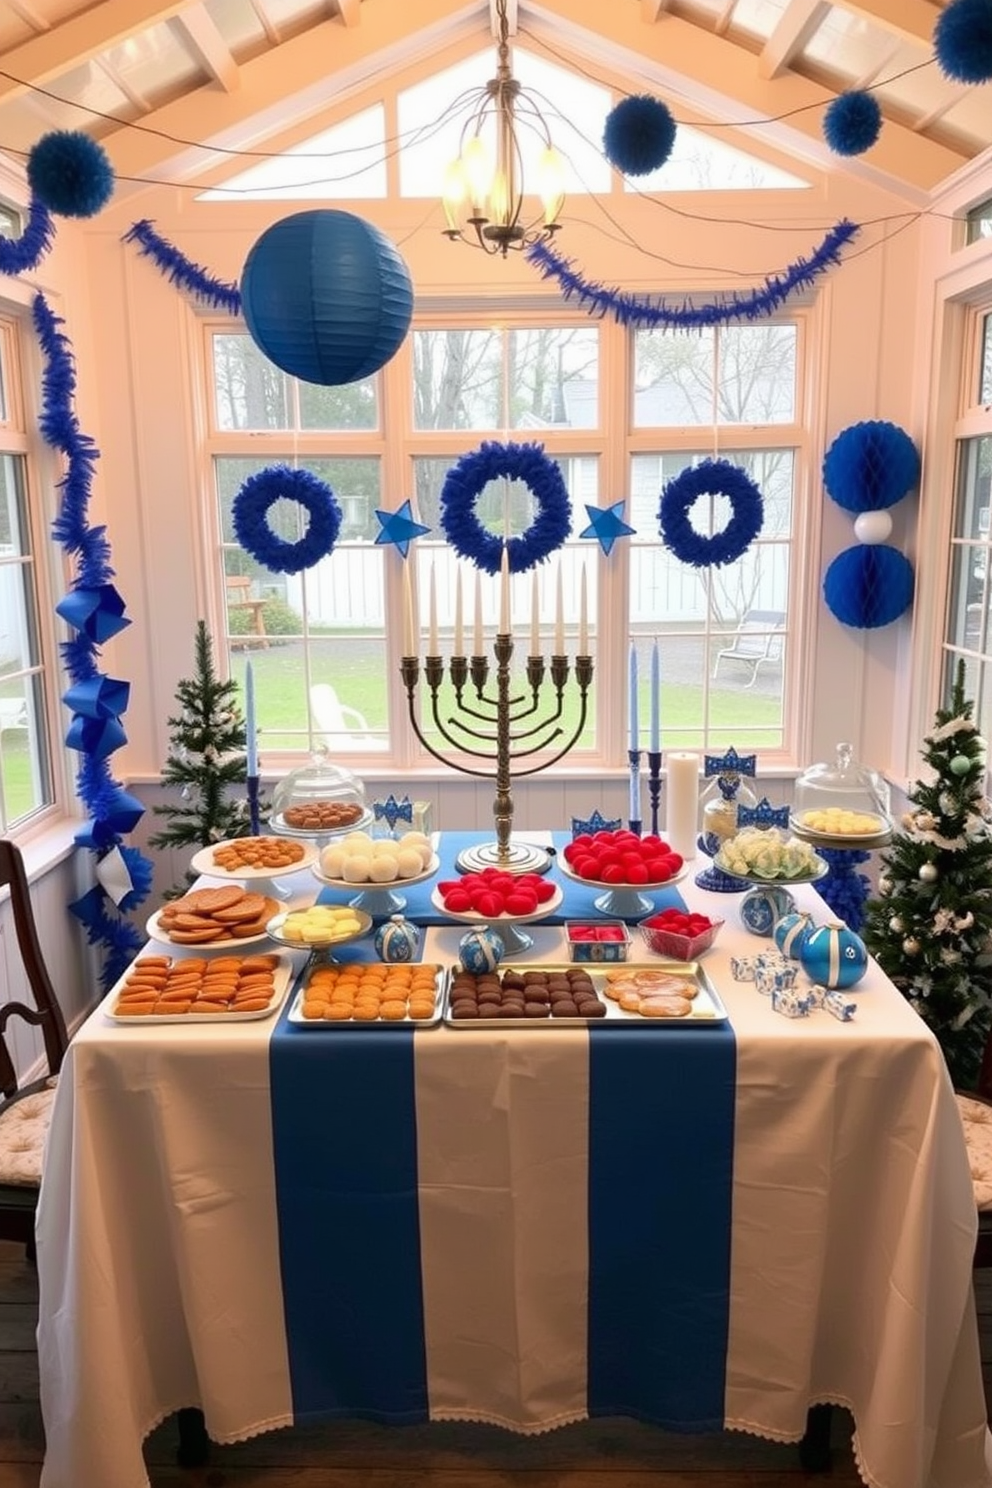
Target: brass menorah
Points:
(502, 729)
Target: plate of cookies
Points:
(193, 989)
(369, 995)
(321, 819)
(527, 996)
(214, 919)
(253, 857)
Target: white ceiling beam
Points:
(29, 14)
(268, 24)
(924, 122)
(133, 95)
(79, 39)
(793, 29)
(713, 77)
(350, 11)
(913, 20)
(291, 83)
(652, 9)
(722, 23)
(209, 46)
(878, 69)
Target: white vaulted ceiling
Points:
(168, 85)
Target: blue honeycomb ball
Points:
(834, 956)
(397, 940)
(480, 950)
(762, 906)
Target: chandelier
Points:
(484, 188)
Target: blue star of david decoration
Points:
(596, 823)
(606, 525)
(399, 528)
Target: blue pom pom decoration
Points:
(962, 39)
(852, 123)
(868, 585)
(870, 466)
(70, 174)
(638, 135)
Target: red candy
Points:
(622, 858)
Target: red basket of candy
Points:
(679, 934)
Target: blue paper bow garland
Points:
(96, 611)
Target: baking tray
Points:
(295, 1014)
(282, 978)
(708, 1009)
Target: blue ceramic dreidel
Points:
(397, 939)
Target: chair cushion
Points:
(977, 1118)
(23, 1129)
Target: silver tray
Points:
(865, 841)
(707, 1007)
(295, 1014)
(283, 980)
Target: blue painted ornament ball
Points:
(834, 956)
(397, 940)
(480, 950)
(763, 905)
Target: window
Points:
(969, 613)
(730, 393)
(25, 763)
(979, 222)
(460, 380)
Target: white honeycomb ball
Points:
(409, 862)
(332, 861)
(357, 868)
(384, 868)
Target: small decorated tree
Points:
(931, 927)
(206, 760)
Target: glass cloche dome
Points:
(844, 800)
(319, 799)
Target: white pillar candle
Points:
(409, 641)
(559, 617)
(459, 621)
(504, 592)
(682, 802)
(432, 644)
(535, 615)
(477, 634)
(583, 615)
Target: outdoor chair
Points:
(758, 641)
(239, 598)
(25, 1110)
(975, 1107)
(341, 726)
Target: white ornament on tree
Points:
(911, 946)
(896, 925)
(929, 873)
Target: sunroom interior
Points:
(221, 119)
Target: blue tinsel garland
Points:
(182, 271)
(629, 309)
(250, 515)
(710, 478)
(27, 251)
(465, 481)
(111, 809)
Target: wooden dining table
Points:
(706, 1227)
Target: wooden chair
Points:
(239, 597)
(756, 643)
(25, 1110)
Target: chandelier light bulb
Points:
(551, 183)
(479, 167)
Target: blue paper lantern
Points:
(869, 586)
(326, 297)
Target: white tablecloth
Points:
(850, 1271)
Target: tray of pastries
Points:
(214, 919)
(195, 989)
(374, 994)
(662, 995)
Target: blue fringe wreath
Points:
(630, 310)
(111, 809)
(710, 478)
(27, 251)
(182, 271)
(466, 480)
(251, 509)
